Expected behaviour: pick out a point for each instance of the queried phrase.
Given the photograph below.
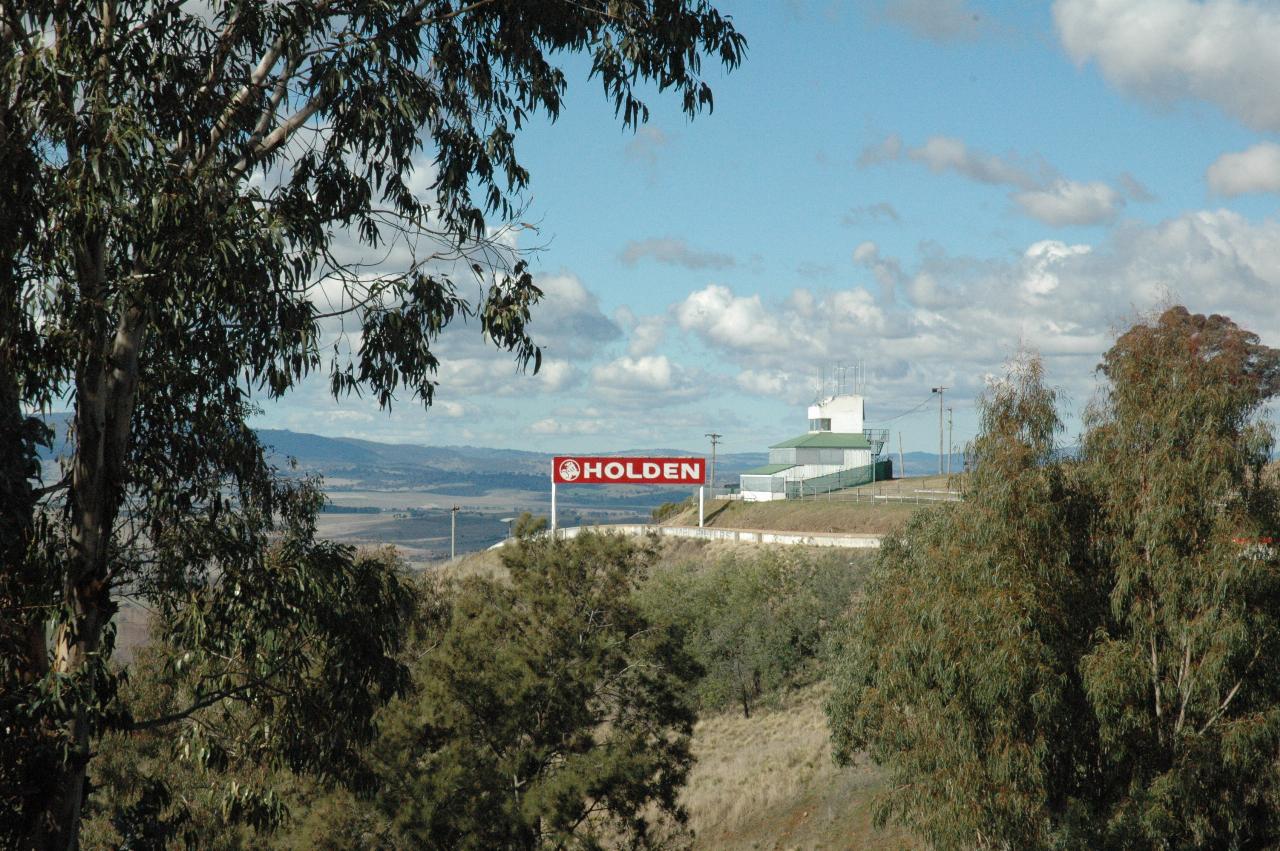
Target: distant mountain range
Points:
(351, 464)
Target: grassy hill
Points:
(768, 782)
(874, 509)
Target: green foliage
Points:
(1184, 673)
(549, 712)
(195, 196)
(754, 624)
(215, 724)
(528, 526)
(1082, 654)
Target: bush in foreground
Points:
(548, 712)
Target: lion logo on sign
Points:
(569, 470)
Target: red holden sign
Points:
(592, 470)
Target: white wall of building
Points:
(846, 413)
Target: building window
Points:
(820, 425)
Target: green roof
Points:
(768, 469)
(825, 440)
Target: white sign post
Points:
(701, 491)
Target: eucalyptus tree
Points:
(957, 670)
(191, 191)
(1184, 674)
(1085, 653)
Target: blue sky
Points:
(919, 185)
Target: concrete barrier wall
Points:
(712, 533)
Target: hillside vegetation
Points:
(767, 780)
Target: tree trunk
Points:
(106, 388)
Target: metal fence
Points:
(877, 472)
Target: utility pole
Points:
(951, 446)
(453, 532)
(715, 441)
(939, 391)
(902, 467)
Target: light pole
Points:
(939, 391)
(453, 531)
(715, 440)
(951, 445)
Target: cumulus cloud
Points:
(1220, 51)
(958, 317)
(1040, 263)
(647, 336)
(723, 318)
(1066, 202)
(1256, 169)
(820, 324)
(1038, 189)
(646, 381)
(673, 251)
(936, 20)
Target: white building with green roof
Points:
(836, 452)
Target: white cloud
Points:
(673, 251)
(811, 327)
(1040, 191)
(557, 375)
(958, 318)
(1067, 202)
(649, 380)
(1221, 51)
(647, 335)
(945, 153)
(1039, 277)
(936, 20)
(887, 271)
(563, 426)
(568, 319)
(723, 318)
(1256, 169)
(452, 410)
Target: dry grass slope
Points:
(768, 782)
(875, 509)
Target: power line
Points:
(926, 401)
